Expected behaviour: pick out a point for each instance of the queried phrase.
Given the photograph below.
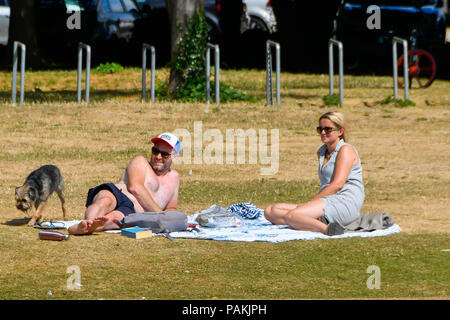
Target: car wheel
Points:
(213, 33)
(258, 24)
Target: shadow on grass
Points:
(62, 96)
(39, 96)
(17, 222)
(302, 96)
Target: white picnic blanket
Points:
(260, 229)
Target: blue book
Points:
(136, 232)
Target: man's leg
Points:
(103, 203)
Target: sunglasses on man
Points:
(164, 154)
(327, 129)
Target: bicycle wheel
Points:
(422, 68)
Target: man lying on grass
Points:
(146, 186)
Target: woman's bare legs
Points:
(276, 213)
(300, 217)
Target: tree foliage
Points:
(189, 63)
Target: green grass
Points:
(405, 171)
(397, 102)
(332, 100)
(410, 267)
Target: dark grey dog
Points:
(38, 187)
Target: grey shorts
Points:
(340, 209)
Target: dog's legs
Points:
(60, 193)
(38, 213)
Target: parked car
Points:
(422, 22)
(261, 15)
(109, 26)
(5, 13)
(156, 9)
(116, 29)
(233, 18)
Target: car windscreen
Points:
(73, 5)
(402, 3)
(129, 5)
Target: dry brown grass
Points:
(404, 152)
(403, 149)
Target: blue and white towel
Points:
(246, 210)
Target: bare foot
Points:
(97, 224)
(107, 222)
(81, 228)
(87, 226)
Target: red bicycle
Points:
(421, 67)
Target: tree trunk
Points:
(178, 10)
(23, 28)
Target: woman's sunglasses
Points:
(327, 129)
(164, 154)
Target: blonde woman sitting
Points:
(341, 193)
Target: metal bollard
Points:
(396, 40)
(210, 46)
(16, 47)
(269, 93)
(146, 46)
(331, 43)
(82, 46)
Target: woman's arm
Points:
(344, 161)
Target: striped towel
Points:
(246, 210)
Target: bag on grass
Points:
(217, 217)
(158, 222)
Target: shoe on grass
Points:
(335, 229)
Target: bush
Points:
(109, 67)
(333, 99)
(190, 63)
(397, 102)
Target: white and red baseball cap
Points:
(170, 139)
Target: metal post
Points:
(216, 71)
(269, 94)
(82, 46)
(16, 47)
(146, 46)
(331, 43)
(395, 40)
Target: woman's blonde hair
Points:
(339, 120)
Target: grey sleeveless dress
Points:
(345, 205)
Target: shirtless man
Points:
(145, 186)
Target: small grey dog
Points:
(38, 187)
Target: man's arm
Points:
(172, 204)
(136, 172)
